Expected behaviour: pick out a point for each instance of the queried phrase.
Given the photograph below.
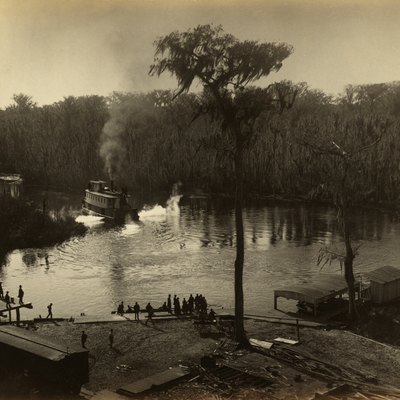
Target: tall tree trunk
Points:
(240, 334)
(348, 267)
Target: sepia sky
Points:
(54, 48)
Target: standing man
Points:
(7, 300)
(1, 291)
(136, 310)
(111, 338)
(177, 306)
(169, 305)
(83, 339)
(191, 303)
(21, 295)
(50, 311)
(150, 312)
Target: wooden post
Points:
(298, 330)
(9, 315)
(18, 316)
(275, 302)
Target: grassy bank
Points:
(24, 225)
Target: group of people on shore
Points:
(136, 310)
(173, 305)
(10, 300)
(197, 303)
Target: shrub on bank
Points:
(24, 225)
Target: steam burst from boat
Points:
(174, 199)
(158, 212)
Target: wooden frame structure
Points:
(316, 292)
(17, 309)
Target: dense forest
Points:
(148, 141)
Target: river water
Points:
(190, 248)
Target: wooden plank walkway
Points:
(93, 319)
(292, 321)
(158, 316)
(14, 307)
(168, 377)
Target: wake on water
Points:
(160, 213)
(90, 220)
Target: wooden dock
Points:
(16, 308)
(313, 293)
(158, 316)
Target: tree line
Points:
(162, 139)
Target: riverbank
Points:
(24, 225)
(140, 351)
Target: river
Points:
(190, 248)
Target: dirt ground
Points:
(149, 349)
(144, 349)
(140, 351)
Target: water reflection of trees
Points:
(298, 224)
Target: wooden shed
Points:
(385, 284)
(51, 363)
(317, 291)
(11, 185)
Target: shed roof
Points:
(34, 343)
(317, 291)
(384, 274)
(10, 178)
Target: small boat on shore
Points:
(105, 201)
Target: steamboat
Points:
(105, 201)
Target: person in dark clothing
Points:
(177, 307)
(7, 300)
(120, 309)
(205, 306)
(83, 339)
(21, 295)
(164, 307)
(111, 338)
(50, 311)
(169, 305)
(184, 306)
(150, 312)
(202, 304)
(1, 291)
(211, 315)
(136, 309)
(196, 302)
(190, 303)
(129, 309)
(174, 301)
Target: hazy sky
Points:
(55, 48)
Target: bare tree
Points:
(343, 145)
